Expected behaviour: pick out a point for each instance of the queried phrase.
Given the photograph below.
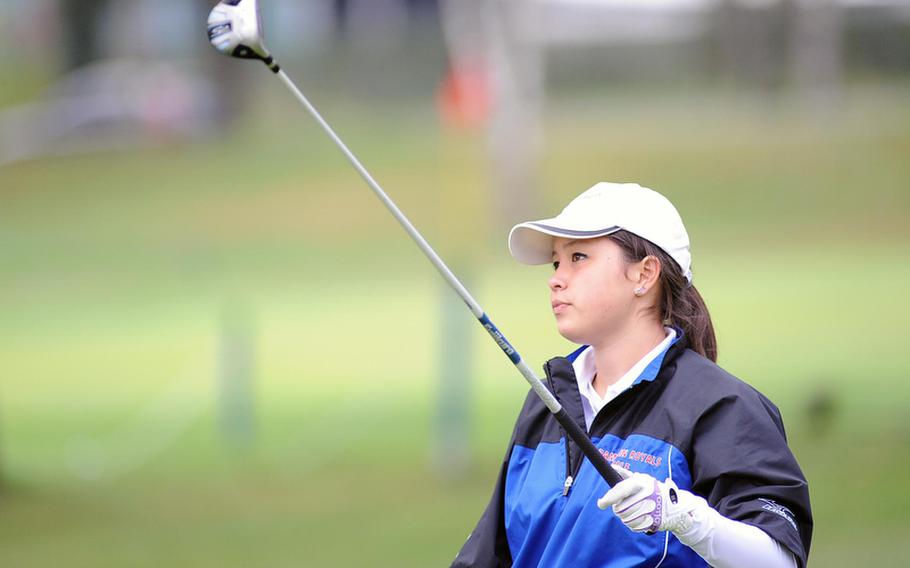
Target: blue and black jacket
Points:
(684, 418)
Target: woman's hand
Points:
(647, 505)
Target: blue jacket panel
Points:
(572, 530)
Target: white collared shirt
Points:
(585, 370)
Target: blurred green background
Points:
(139, 281)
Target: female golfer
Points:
(708, 478)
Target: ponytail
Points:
(690, 313)
(681, 305)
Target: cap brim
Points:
(532, 242)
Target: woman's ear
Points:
(646, 274)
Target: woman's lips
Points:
(559, 307)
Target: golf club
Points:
(234, 29)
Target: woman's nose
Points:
(557, 281)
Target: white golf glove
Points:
(647, 505)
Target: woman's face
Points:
(591, 292)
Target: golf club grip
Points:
(590, 451)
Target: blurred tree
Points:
(494, 52)
(515, 132)
(816, 47)
(463, 110)
(2, 470)
(752, 42)
(340, 11)
(451, 448)
(236, 375)
(230, 79)
(80, 22)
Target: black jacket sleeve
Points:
(744, 468)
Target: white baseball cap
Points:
(602, 210)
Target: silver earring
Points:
(640, 292)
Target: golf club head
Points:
(234, 29)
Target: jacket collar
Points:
(565, 387)
(650, 372)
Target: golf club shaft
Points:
(571, 428)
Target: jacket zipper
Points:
(570, 479)
(571, 471)
(567, 486)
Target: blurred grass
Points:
(118, 268)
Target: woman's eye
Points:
(576, 256)
(556, 265)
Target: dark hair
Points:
(681, 304)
